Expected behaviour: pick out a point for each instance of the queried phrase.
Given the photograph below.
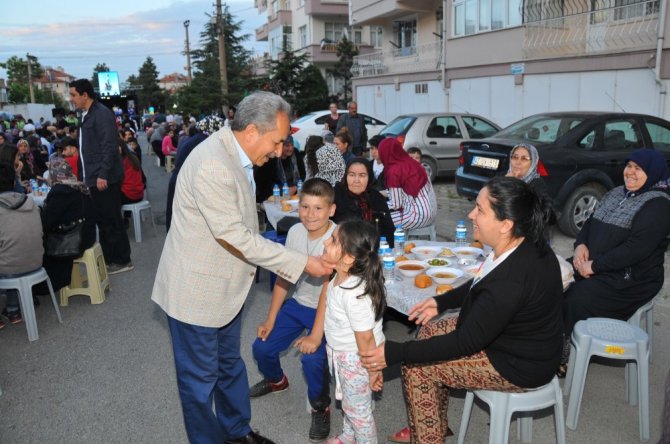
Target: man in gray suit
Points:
(208, 265)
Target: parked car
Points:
(312, 124)
(438, 136)
(582, 156)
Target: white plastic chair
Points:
(136, 209)
(613, 339)
(24, 284)
(504, 404)
(647, 310)
(418, 233)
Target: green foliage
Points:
(346, 51)
(297, 81)
(100, 67)
(17, 79)
(204, 94)
(150, 94)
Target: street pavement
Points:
(106, 375)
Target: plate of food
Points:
(439, 262)
(446, 252)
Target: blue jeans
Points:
(292, 320)
(210, 369)
(12, 304)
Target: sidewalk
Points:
(106, 374)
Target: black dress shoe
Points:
(251, 438)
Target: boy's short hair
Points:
(69, 141)
(319, 187)
(414, 150)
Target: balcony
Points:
(611, 30)
(366, 12)
(327, 52)
(421, 58)
(262, 33)
(280, 18)
(261, 5)
(326, 8)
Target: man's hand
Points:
(101, 184)
(318, 267)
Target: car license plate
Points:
(485, 162)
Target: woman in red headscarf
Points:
(411, 198)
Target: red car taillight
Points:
(461, 159)
(294, 130)
(541, 169)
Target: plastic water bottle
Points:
(299, 185)
(461, 233)
(275, 194)
(383, 245)
(285, 191)
(33, 186)
(399, 240)
(44, 189)
(388, 260)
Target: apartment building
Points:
(507, 59)
(313, 27)
(57, 81)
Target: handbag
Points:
(66, 241)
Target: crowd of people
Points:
(513, 326)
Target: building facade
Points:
(313, 27)
(507, 59)
(57, 81)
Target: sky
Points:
(79, 34)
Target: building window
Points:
(357, 32)
(302, 35)
(376, 37)
(420, 88)
(301, 3)
(475, 16)
(334, 31)
(405, 37)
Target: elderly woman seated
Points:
(619, 251)
(410, 193)
(355, 198)
(507, 336)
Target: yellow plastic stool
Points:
(95, 280)
(169, 162)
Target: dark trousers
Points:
(113, 236)
(210, 369)
(157, 146)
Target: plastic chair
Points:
(24, 284)
(613, 339)
(95, 280)
(169, 162)
(648, 311)
(136, 209)
(273, 236)
(417, 233)
(504, 404)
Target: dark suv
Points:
(582, 156)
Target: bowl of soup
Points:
(444, 275)
(411, 268)
(467, 255)
(426, 252)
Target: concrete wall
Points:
(31, 110)
(387, 102)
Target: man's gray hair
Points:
(260, 108)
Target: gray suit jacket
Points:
(213, 247)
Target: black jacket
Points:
(99, 151)
(269, 174)
(347, 208)
(513, 314)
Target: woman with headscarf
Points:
(68, 200)
(330, 164)
(355, 198)
(523, 163)
(410, 194)
(619, 252)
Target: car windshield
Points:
(399, 125)
(541, 128)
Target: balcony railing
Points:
(618, 29)
(421, 58)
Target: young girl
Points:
(356, 299)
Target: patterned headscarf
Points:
(60, 172)
(331, 164)
(210, 124)
(532, 173)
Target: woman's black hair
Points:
(312, 144)
(125, 152)
(513, 199)
(359, 239)
(8, 153)
(368, 167)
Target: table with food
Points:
(277, 210)
(430, 268)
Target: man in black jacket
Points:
(102, 171)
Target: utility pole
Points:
(220, 28)
(30, 80)
(188, 52)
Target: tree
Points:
(100, 67)
(346, 51)
(17, 78)
(204, 92)
(150, 94)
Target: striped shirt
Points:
(413, 212)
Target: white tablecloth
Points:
(403, 294)
(274, 213)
